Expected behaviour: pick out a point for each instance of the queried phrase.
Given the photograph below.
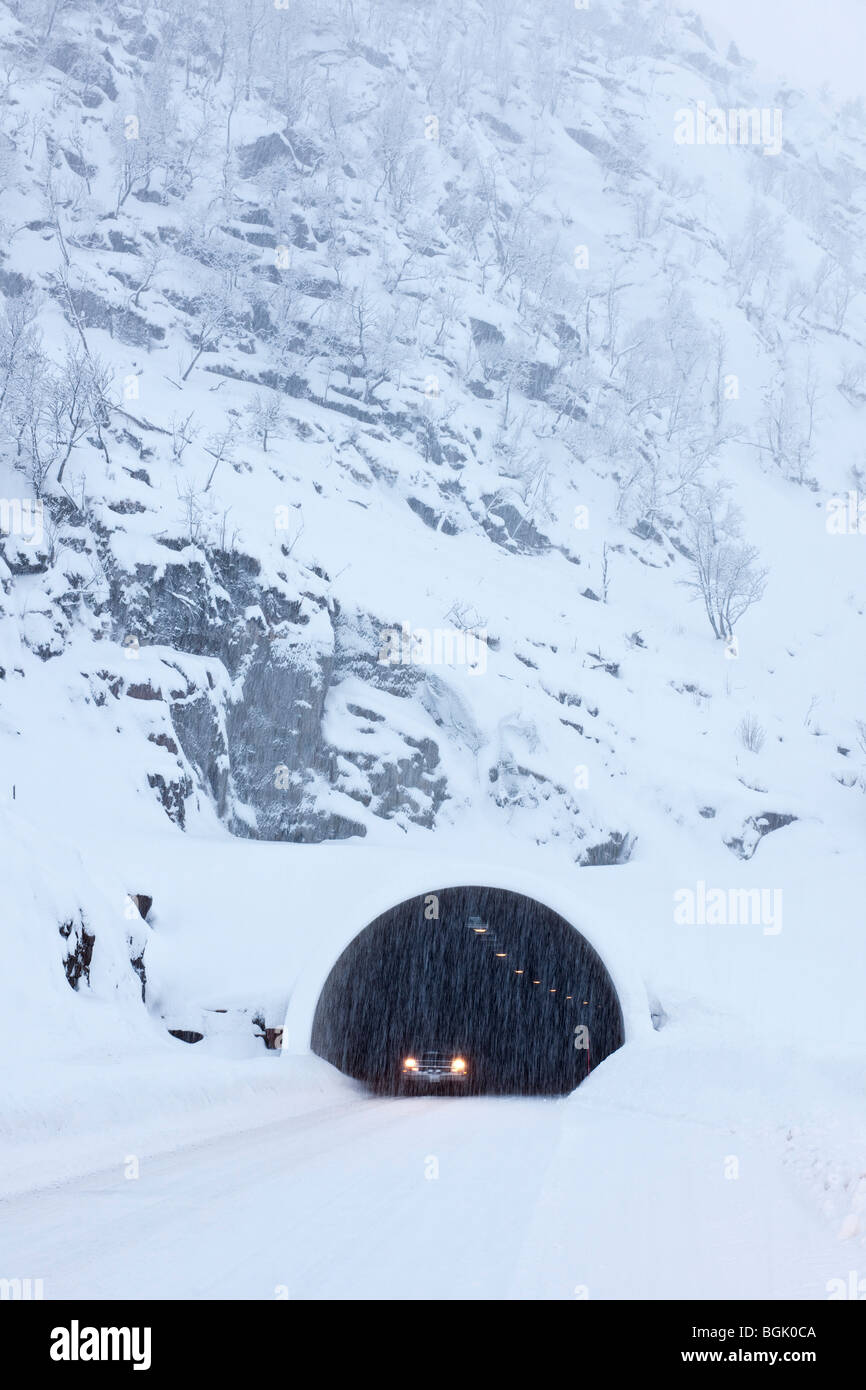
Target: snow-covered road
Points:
(433, 1198)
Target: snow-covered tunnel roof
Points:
(431, 874)
(261, 925)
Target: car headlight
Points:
(409, 1064)
(458, 1064)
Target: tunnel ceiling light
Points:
(569, 996)
(501, 955)
(479, 931)
(536, 982)
(553, 991)
(586, 1001)
(518, 972)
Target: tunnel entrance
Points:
(490, 975)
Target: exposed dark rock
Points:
(754, 830)
(500, 128)
(607, 153)
(431, 517)
(616, 849)
(163, 741)
(143, 902)
(80, 943)
(601, 664)
(505, 524)
(485, 333)
(119, 321)
(172, 794)
(137, 963)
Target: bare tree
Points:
(183, 432)
(221, 449)
(19, 340)
(376, 350)
(140, 153)
(153, 259)
(214, 314)
(265, 414)
(725, 571)
(80, 402)
(398, 153)
(34, 425)
(787, 426)
(757, 252)
(751, 733)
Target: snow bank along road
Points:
(487, 1198)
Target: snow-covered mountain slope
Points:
(351, 378)
(374, 382)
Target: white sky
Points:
(807, 41)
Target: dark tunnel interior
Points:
(485, 973)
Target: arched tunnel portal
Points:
(485, 973)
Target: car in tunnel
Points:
(433, 1070)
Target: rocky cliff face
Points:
(364, 395)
